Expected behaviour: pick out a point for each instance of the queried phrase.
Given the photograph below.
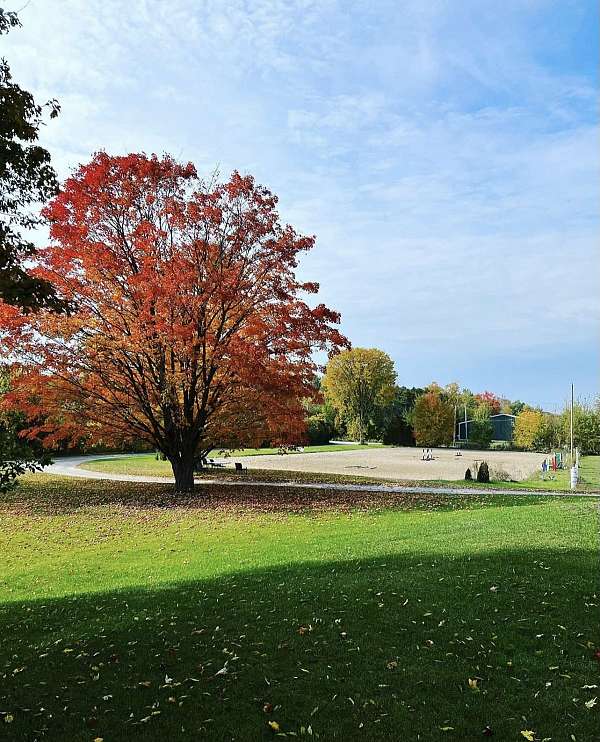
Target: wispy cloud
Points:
(445, 154)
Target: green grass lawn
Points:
(589, 476)
(128, 613)
(560, 480)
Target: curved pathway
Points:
(69, 466)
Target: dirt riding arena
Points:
(401, 463)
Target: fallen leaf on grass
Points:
(591, 703)
(274, 726)
(528, 734)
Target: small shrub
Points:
(468, 475)
(483, 473)
(500, 475)
(500, 446)
(319, 430)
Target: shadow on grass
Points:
(364, 649)
(56, 495)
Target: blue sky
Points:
(444, 153)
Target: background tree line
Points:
(362, 401)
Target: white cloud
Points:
(448, 167)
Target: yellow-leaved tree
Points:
(360, 384)
(433, 418)
(528, 425)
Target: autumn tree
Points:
(433, 418)
(453, 393)
(491, 400)
(189, 329)
(26, 180)
(360, 384)
(528, 425)
(17, 455)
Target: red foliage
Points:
(190, 329)
(491, 400)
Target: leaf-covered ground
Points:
(236, 614)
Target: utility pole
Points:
(574, 469)
(572, 405)
(454, 433)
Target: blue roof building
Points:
(502, 423)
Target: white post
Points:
(574, 477)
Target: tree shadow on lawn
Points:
(364, 649)
(55, 495)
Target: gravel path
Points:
(68, 466)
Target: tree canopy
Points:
(360, 384)
(26, 180)
(189, 328)
(528, 425)
(433, 418)
(481, 430)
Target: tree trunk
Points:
(183, 470)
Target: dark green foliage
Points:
(320, 422)
(483, 472)
(398, 428)
(319, 430)
(517, 406)
(586, 428)
(14, 467)
(468, 475)
(481, 430)
(26, 180)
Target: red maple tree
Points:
(491, 400)
(190, 329)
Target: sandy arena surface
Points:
(400, 463)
